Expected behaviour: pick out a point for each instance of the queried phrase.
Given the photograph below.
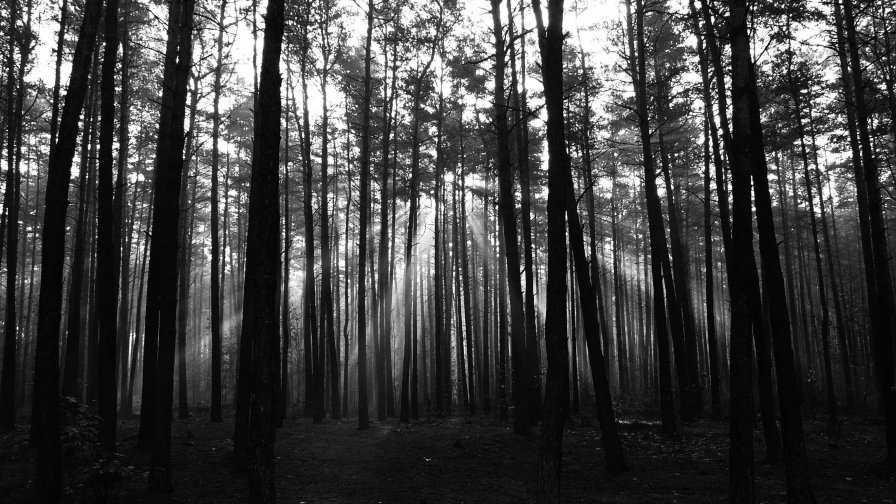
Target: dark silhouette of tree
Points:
(215, 295)
(880, 293)
(520, 375)
(46, 408)
(161, 297)
(556, 393)
(363, 216)
(108, 252)
(261, 312)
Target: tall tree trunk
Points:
(520, 374)
(845, 360)
(60, 47)
(325, 258)
(751, 154)
(73, 330)
(658, 249)
(690, 390)
(484, 389)
(385, 329)
(741, 471)
(465, 273)
(816, 248)
(501, 378)
(880, 294)
(161, 298)
(715, 385)
(285, 335)
(521, 119)
(14, 123)
(127, 403)
(261, 312)
(556, 394)
(621, 359)
(215, 309)
(46, 411)
(314, 374)
(363, 216)
(107, 253)
(613, 453)
(125, 228)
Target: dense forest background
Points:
(256, 213)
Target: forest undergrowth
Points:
(456, 459)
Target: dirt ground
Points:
(460, 459)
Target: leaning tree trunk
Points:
(752, 154)
(658, 248)
(613, 453)
(46, 412)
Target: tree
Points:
(741, 471)
(363, 215)
(330, 52)
(261, 312)
(46, 411)
(658, 251)
(215, 294)
(880, 294)
(520, 375)
(556, 395)
(12, 197)
(161, 297)
(107, 247)
(745, 106)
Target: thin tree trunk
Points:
(715, 386)
(363, 414)
(215, 295)
(520, 372)
(108, 253)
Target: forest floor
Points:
(459, 459)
